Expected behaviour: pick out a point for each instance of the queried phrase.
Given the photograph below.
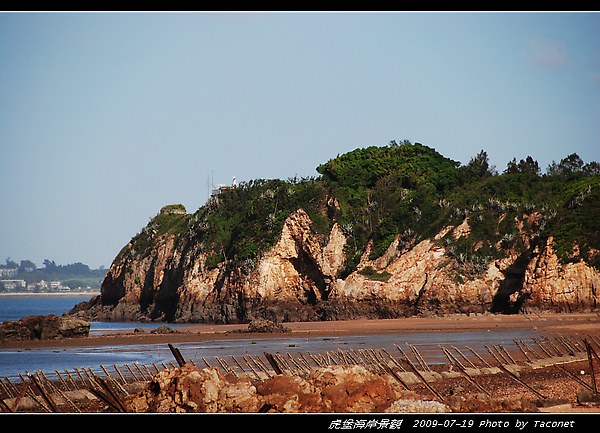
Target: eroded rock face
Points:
(190, 389)
(44, 328)
(174, 284)
(331, 389)
(420, 283)
(550, 285)
(298, 280)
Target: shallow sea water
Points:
(14, 361)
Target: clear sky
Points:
(107, 117)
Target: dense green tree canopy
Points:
(408, 164)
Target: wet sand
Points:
(559, 388)
(572, 324)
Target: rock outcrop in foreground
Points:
(344, 389)
(49, 327)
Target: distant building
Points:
(220, 188)
(8, 272)
(173, 209)
(13, 285)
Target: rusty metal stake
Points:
(5, 407)
(22, 392)
(553, 346)
(530, 349)
(518, 379)
(493, 354)
(105, 398)
(45, 396)
(420, 376)
(594, 353)
(478, 357)
(506, 353)
(451, 357)
(573, 376)
(418, 356)
(120, 374)
(541, 346)
(177, 355)
(522, 350)
(51, 387)
(463, 356)
(567, 345)
(396, 376)
(276, 368)
(473, 381)
(104, 384)
(591, 362)
(393, 360)
(6, 388)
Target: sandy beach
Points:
(572, 324)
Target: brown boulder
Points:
(190, 389)
(354, 389)
(290, 394)
(44, 328)
(331, 389)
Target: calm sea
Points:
(15, 307)
(14, 361)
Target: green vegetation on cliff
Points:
(403, 190)
(239, 223)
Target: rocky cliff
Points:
(297, 281)
(428, 239)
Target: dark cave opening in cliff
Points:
(315, 286)
(510, 298)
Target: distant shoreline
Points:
(16, 295)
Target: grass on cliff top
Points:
(172, 220)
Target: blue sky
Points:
(107, 117)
